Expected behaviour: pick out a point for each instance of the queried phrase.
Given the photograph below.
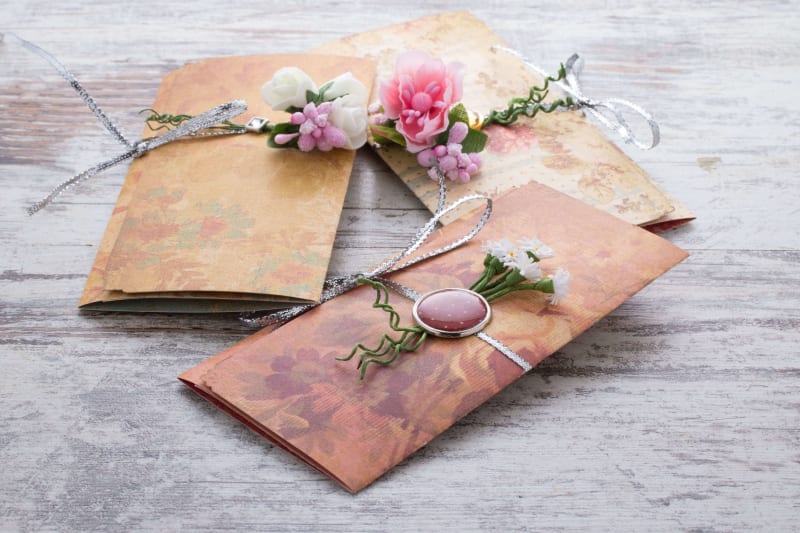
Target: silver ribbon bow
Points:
(213, 116)
(607, 112)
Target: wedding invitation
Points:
(224, 223)
(562, 150)
(288, 385)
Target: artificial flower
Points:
(536, 247)
(420, 110)
(350, 116)
(419, 97)
(349, 109)
(529, 268)
(333, 116)
(510, 258)
(560, 285)
(347, 84)
(497, 248)
(314, 130)
(508, 268)
(449, 158)
(287, 88)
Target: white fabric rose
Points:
(349, 110)
(347, 84)
(287, 88)
(349, 114)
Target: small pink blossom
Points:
(419, 97)
(451, 161)
(315, 131)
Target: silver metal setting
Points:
(257, 125)
(452, 334)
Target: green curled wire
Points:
(389, 347)
(531, 105)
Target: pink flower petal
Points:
(306, 143)
(283, 138)
(458, 133)
(334, 136)
(310, 111)
(419, 96)
(427, 158)
(447, 163)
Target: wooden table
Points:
(679, 411)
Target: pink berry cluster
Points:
(449, 158)
(315, 131)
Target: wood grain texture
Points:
(679, 411)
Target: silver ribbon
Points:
(607, 112)
(335, 286)
(213, 116)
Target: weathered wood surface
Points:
(680, 411)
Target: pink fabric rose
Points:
(419, 97)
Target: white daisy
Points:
(529, 268)
(513, 257)
(499, 248)
(560, 285)
(537, 247)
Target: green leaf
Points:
(458, 113)
(442, 137)
(321, 97)
(475, 141)
(285, 127)
(387, 133)
(311, 96)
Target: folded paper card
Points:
(224, 223)
(288, 386)
(562, 150)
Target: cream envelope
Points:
(224, 223)
(562, 150)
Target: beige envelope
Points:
(224, 223)
(562, 150)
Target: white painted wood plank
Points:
(679, 411)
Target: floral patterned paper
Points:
(288, 386)
(225, 223)
(562, 150)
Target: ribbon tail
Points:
(505, 350)
(78, 178)
(277, 318)
(655, 131)
(572, 87)
(67, 75)
(572, 83)
(487, 212)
